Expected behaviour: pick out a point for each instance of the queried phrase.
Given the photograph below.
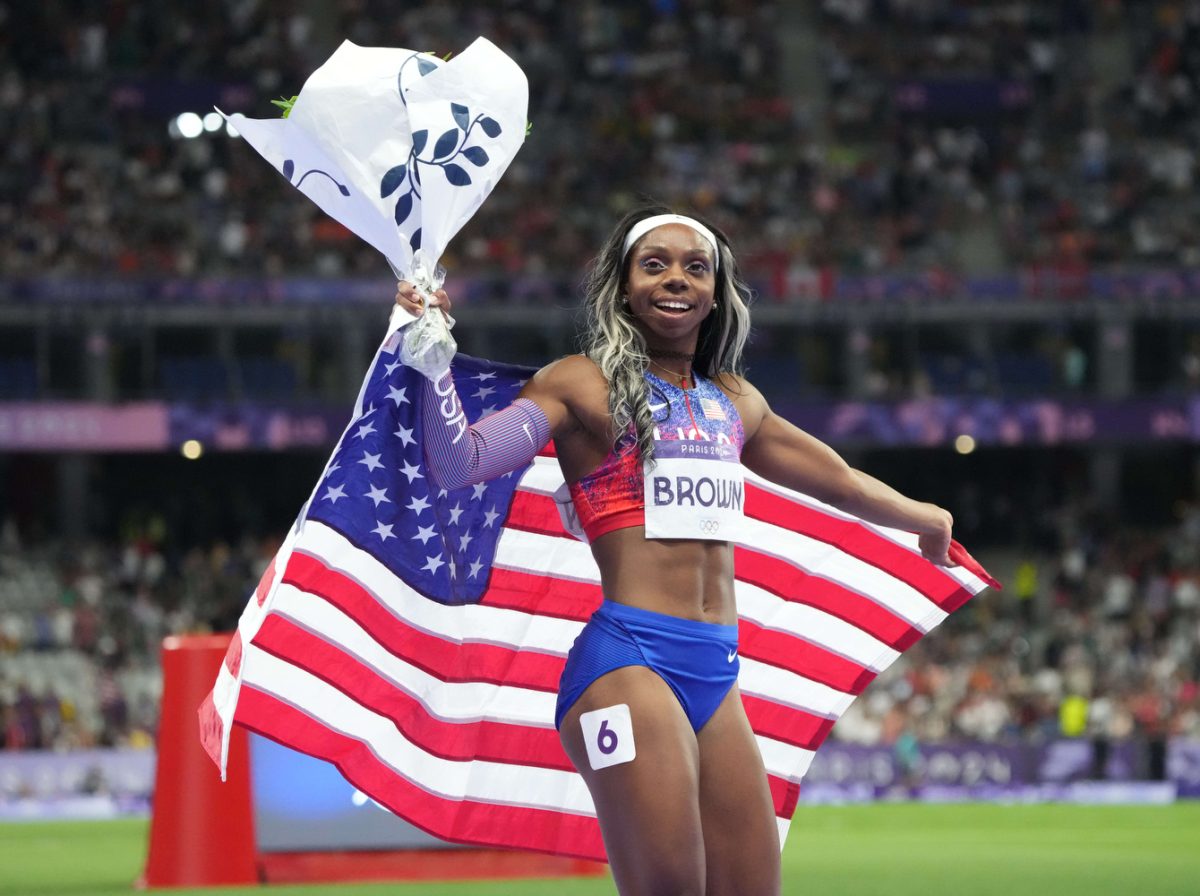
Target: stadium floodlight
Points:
(192, 449)
(190, 125)
(964, 444)
(213, 122)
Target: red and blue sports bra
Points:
(695, 488)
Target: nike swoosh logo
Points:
(732, 656)
(529, 434)
(654, 408)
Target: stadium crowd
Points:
(857, 135)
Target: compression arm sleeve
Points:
(458, 453)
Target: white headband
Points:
(644, 226)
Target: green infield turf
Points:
(898, 850)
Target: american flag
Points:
(414, 636)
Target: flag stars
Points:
(455, 512)
(483, 392)
(412, 473)
(365, 430)
(474, 569)
(405, 436)
(489, 518)
(377, 495)
(418, 505)
(384, 531)
(485, 376)
(398, 395)
(391, 368)
(424, 533)
(478, 491)
(334, 492)
(434, 563)
(464, 540)
(370, 461)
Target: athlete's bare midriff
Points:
(685, 578)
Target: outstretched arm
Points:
(785, 454)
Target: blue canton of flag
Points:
(376, 490)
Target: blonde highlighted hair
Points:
(618, 348)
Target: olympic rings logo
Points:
(709, 527)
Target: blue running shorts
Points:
(697, 660)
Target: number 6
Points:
(606, 738)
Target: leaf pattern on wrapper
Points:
(392, 180)
(445, 145)
(457, 175)
(447, 150)
(476, 155)
(404, 208)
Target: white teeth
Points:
(674, 306)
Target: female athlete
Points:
(652, 424)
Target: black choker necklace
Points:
(671, 356)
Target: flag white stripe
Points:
(546, 555)
(770, 611)
(781, 686)
(784, 760)
(900, 537)
(462, 624)
(453, 701)
(543, 477)
(810, 555)
(477, 779)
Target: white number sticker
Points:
(608, 735)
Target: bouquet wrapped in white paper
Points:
(401, 147)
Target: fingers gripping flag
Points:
(414, 637)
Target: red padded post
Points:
(201, 830)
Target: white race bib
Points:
(695, 490)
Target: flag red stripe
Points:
(784, 795)
(542, 594)
(787, 651)
(789, 583)
(447, 660)
(533, 512)
(786, 723)
(491, 740)
(467, 821)
(857, 540)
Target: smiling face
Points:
(670, 286)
